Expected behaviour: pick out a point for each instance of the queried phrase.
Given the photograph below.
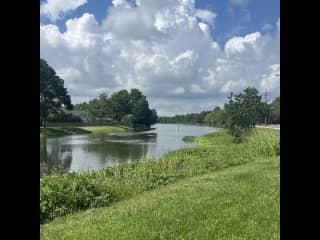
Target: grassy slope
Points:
(105, 128)
(240, 202)
(65, 131)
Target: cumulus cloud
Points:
(206, 16)
(56, 9)
(164, 48)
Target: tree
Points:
(243, 111)
(121, 106)
(141, 112)
(53, 94)
(215, 118)
(135, 95)
(275, 110)
(154, 117)
(100, 107)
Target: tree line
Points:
(128, 108)
(239, 114)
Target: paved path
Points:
(277, 127)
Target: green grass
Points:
(105, 128)
(69, 193)
(239, 202)
(61, 131)
(65, 131)
(189, 138)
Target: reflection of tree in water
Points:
(56, 157)
(120, 148)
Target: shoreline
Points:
(213, 152)
(51, 132)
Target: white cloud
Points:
(206, 16)
(240, 44)
(179, 90)
(118, 3)
(195, 88)
(161, 48)
(56, 9)
(271, 80)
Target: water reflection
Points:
(120, 147)
(55, 156)
(95, 151)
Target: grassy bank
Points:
(61, 131)
(189, 138)
(65, 131)
(67, 193)
(239, 202)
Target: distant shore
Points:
(66, 131)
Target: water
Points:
(98, 150)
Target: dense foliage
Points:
(190, 118)
(129, 108)
(275, 111)
(53, 94)
(243, 112)
(64, 117)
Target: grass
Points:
(239, 202)
(61, 131)
(65, 131)
(189, 138)
(105, 128)
(68, 193)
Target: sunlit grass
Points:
(235, 203)
(65, 131)
(105, 128)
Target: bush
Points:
(63, 117)
(67, 193)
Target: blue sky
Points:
(154, 45)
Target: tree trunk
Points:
(44, 124)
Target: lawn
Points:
(215, 190)
(239, 202)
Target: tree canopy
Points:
(53, 94)
(243, 111)
(129, 108)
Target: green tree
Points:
(141, 112)
(135, 95)
(275, 110)
(243, 111)
(100, 107)
(154, 116)
(53, 95)
(215, 118)
(121, 106)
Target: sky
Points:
(184, 55)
